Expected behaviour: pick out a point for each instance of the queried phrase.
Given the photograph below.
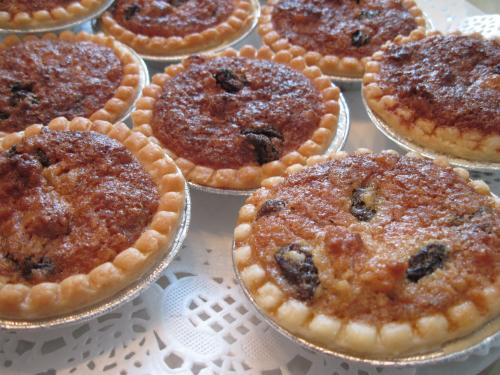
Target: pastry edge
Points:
(236, 24)
(468, 144)
(248, 177)
(347, 66)
(394, 338)
(46, 299)
(129, 88)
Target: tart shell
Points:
(463, 144)
(248, 177)
(50, 17)
(331, 65)
(49, 299)
(129, 89)
(236, 25)
(353, 339)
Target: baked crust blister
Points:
(59, 15)
(333, 65)
(250, 176)
(235, 25)
(295, 313)
(21, 301)
(471, 144)
(131, 82)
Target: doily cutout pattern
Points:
(488, 26)
(195, 319)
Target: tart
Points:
(178, 27)
(447, 103)
(337, 36)
(85, 209)
(232, 119)
(26, 14)
(69, 75)
(372, 254)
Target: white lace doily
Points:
(195, 319)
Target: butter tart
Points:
(85, 208)
(177, 27)
(70, 75)
(28, 14)
(425, 89)
(232, 119)
(337, 36)
(372, 253)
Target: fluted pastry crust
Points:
(300, 247)
(47, 299)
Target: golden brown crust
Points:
(469, 144)
(248, 177)
(51, 299)
(391, 338)
(240, 21)
(329, 64)
(49, 17)
(130, 85)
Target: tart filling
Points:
(337, 35)
(447, 103)
(177, 27)
(69, 76)
(374, 253)
(231, 119)
(44, 13)
(85, 208)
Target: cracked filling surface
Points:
(231, 112)
(426, 242)
(44, 79)
(69, 201)
(341, 28)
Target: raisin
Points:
(368, 14)
(359, 38)
(28, 265)
(131, 11)
(297, 266)
(42, 157)
(4, 115)
(12, 151)
(176, 3)
(428, 259)
(267, 143)
(230, 81)
(21, 91)
(359, 207)
(270, 207)
(496, 69)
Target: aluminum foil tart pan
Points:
(60, 26)
(410, 146)
(125, 295)
(336, 144)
